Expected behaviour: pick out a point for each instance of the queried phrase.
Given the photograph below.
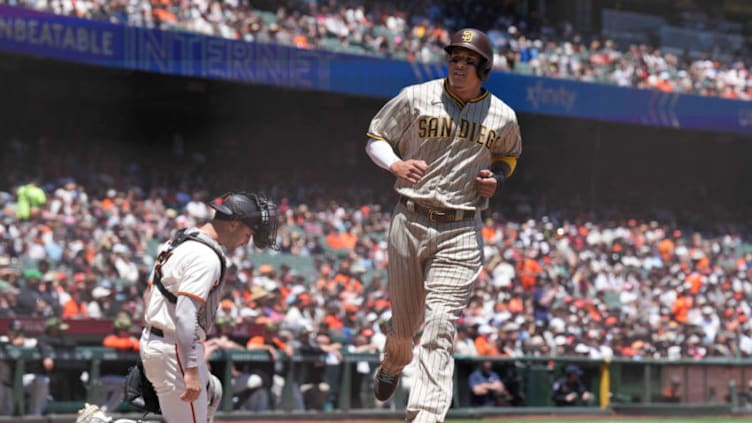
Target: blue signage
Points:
(190, 54)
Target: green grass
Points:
(598, 419)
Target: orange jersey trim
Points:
(194, 296)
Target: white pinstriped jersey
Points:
(192, 269)
(456, 139)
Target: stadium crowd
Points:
(78, 241)
(417, 31)
(552, 284)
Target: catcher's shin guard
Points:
(214, 395)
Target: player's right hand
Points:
(192, 385)
(409, 170)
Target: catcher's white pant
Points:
(164, 370)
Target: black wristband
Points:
(500, 178)
(499, 170)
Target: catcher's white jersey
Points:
(193, 269)
(427, 122)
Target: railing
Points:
(618, 383)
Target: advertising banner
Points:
(190, 54)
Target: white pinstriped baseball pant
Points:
(432, 269)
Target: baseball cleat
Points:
(384, 385)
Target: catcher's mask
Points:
(254, 210)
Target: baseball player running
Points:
(450, 144)
(183, 296)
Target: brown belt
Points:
(156, 331)
(438, 215)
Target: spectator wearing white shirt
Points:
(464, 344)
(197, 208)
(709, 323)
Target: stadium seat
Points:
(301, 264)
(267, 17)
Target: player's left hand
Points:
(486, 183)
(192, 385)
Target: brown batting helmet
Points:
(477, 41)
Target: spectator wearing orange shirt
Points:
(490, 232)
(666, 249)
(342, 240)
(663, 83)
(75, 307)
(122, 339)
(483, 342)
(695, 281)
(333, 318)
(683, 303)
(347, 277)
(529, 272)
(516, 304)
